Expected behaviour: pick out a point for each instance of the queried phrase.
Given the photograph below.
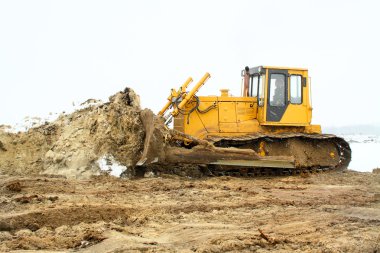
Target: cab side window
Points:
(261, 90)
(253, 84)
(296, 89)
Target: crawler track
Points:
(312, 152)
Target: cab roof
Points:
(260, 69)
(276, 67)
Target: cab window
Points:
(253, 84)
(277, 90)
(261, 90)
(295, 89)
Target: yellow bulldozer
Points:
(266, 131)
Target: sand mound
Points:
(79, 144)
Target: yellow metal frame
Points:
(234, 116)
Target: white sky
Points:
(55, 52)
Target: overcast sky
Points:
(53, 53)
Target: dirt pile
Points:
(78, 144)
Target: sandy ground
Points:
(331, 212)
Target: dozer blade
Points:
(153, 143)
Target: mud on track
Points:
(332, 212)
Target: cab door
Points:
(298, 109)
(277, 95)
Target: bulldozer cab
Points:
(282, 95)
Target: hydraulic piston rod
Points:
(190, 95)
(174, 94)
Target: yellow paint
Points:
(262, 149)
(191, 93)
(174, 94)
(234, 116)
(332, 154)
